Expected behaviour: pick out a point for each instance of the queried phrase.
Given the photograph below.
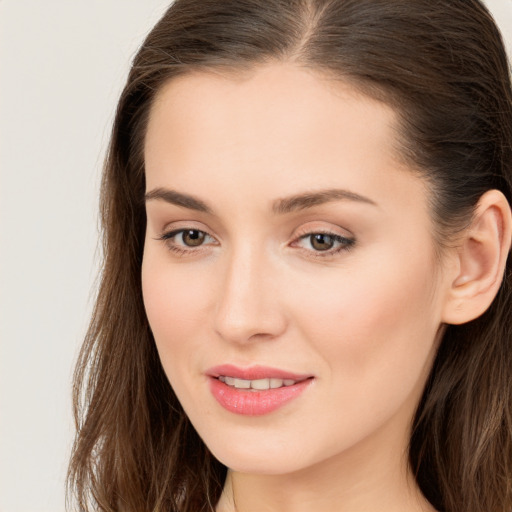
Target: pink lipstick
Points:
(256, 390)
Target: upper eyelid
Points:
(341, 232)
(171, 233)
(178, 226)
(327, 233)
(346, 241)
(305, 228)
(305, 232)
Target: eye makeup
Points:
(322, 243)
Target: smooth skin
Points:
(361, 309)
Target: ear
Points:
(480, 260)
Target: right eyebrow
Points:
(178, 199)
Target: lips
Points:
(256, 390)
(254, 373)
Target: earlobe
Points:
(481, 258)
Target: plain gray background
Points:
(62, 66)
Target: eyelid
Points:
(311, 229)
(174, 232)
(177, 226)
(169, 233)
(346, 241)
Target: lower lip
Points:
(255, 403)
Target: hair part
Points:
(441, 65)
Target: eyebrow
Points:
(281, 206)
(178, 199)
(309, 199)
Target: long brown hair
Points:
(441, 64)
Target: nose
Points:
(248, 307)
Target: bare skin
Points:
(360, 313)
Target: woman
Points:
(306, 297)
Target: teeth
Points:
(242, 384)
(275, 383)
(260, 384)
(257, 384)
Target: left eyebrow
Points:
(178, 199)
(310, 199)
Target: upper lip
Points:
(253, 373)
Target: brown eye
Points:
(321, 242)
(184, 242)
(325, 244)
(193, 237)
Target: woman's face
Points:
(287, 247)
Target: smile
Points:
(257, 384)
(257, 390)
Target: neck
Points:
(324, 493)
(370, 477)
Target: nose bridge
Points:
(248, 305)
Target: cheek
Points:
(175, 305)
(376, 322)
(373, 335)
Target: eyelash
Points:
(346, 244)
(180, 250)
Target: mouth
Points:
(257, 390)
(257, 384)
(255, 373)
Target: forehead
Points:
(277, 129)
(287, 91)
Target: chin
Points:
(254, 455)
(255, 464)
